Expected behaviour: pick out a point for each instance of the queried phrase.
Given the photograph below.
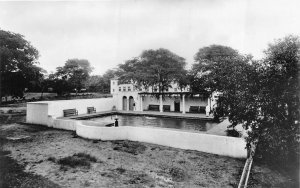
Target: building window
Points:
(113, 90)
(113, 83)
(155, 89)
(124, 88)
(120, 89)
(129, 88)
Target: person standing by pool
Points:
(116, 122)
(133, 106)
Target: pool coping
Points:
(141, 113)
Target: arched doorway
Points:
(131, 102)
(124, 103)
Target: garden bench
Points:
(91, 110)
(70, 112)
(166, 108)
(153, 107)
(194, 109)
(202, 109)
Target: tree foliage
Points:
(18, 60)
(154, 68)
(262, 96)
(211, 67)
(72, 75)
(94, 83)
(214, 53)
(98, 83)
(277, 127)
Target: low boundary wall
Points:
(41, 112)
(220, 145)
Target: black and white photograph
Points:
(150, 93)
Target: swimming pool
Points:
(174, 123)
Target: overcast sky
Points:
(109, 32)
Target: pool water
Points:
(185, 124)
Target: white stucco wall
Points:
(103, 133)
(119, 99)
(37, 113)
(102, 104)
(193, 102)
(42, 112)
(65, 124)
(221, 145)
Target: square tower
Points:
(114, 86)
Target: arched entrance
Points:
(124, 103)
(131, 102)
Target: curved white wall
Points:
(221, 145)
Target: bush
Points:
(74, 161)
(52, 159)
(121, 170)
(178, 174)
(233, 133)
(140, 179)
(78, 159)
(86, 156)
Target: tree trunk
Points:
(42, 92)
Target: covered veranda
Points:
(178, 99)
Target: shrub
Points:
(52, 159)
(232, 133)
(86, 156)
(74, 161)
(140, 179)
(78, 159)
(121, 170)
(177, 173)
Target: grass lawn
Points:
(36, 156)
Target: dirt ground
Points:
(32, 153)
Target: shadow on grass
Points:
(9, 118)
(12, 175)
(131, 147)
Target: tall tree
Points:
(107, 76)
(214, 53)
(18, 60)
(75, 72)
(154, 68)
(210, 62)
(263, 96)
(95, 83)
(277, 129)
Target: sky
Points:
(109, 32)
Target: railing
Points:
(246, 173)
